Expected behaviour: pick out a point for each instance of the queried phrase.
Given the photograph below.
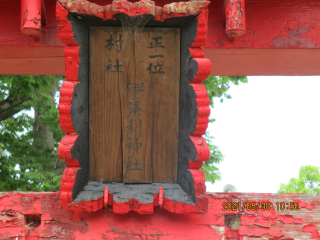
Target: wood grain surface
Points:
(104, 112)
(134, 104)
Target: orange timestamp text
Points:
(249, 206)
(264, 206)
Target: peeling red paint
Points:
(313, 230)
(288, 219)
(258, 232)
(64, 150)
(303, 204)
(291, 195)
(105, 196)
(175, 9)
(31, 18)
(294, 39)
(60, 223)
(235, 17)
(49, 35)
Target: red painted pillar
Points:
(235, 17)
(31, 18)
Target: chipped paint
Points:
(313, 229)
(288, 219)
(303, 204)
(258, 231)
(294, 38)
(49, 35)
(219, 42)
(175, 9)
(59, 223)
(25, 16)
(31, 18)
(235, 17)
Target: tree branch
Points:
(10, 107)
(12, 104)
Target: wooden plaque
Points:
(134, 105)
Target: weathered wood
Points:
(104, 111)
(137, 166)
(40, 216)
(134, 85)
(155, 71)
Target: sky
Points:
(267, 131)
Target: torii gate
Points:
(262, 38)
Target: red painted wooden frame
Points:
(182, 9)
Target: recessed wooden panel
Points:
(134, 104)
(104, 111)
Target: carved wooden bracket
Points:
(77, 192)
(235, 18)
(33, 17)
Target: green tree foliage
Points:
(30, 166)
(308, 181)
(217, 87)
(25, 165)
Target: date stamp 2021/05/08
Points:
(264, 206)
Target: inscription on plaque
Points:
(134, 105)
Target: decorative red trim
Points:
(201, 38)
(204, 67)
(195, 164)
(180, 207)
(105, 196)
(160, 196)
(203, 103)
(176, 9)
(197, 52)
(65, 32)
(64, 108)
(64, 150)
(132, 205)
(72, 61)
(203, 153)
(67, 182)
(200, 189)
(71, 51)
